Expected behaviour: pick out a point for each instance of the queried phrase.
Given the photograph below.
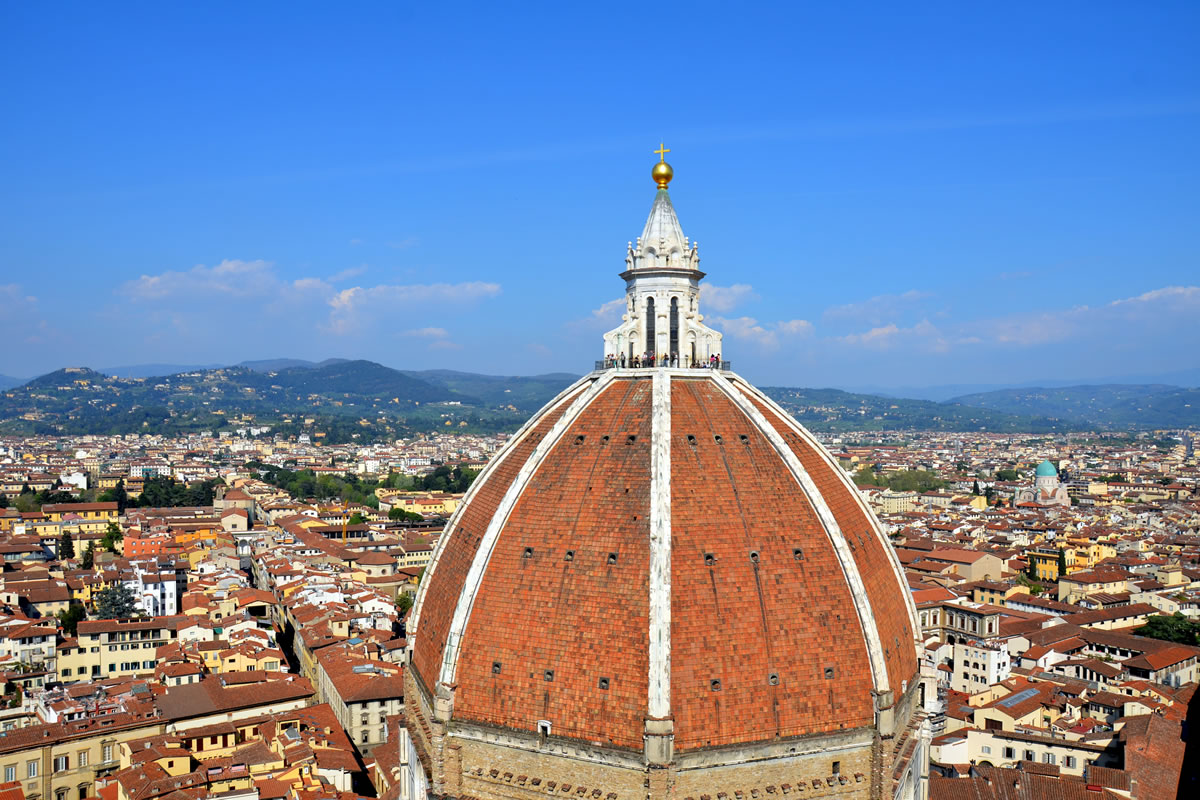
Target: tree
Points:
(357, 519)
(1007, 475)
(66, 547)
(914, 480)
(403, 603)
(445, 479)
(117, 495)
(864, 477)
(975, 489)
(3, 501)
(398, 514)
(1062, 563)
(71, 617)
(116, 602)
(112, 535)
(1175, 628)
(89, 556)
(989, 493)
(1027, 580)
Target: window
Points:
(1070, 762)
(1048, 758)
(651, 338)
(107, 752)
(10, 773)
(83, 758)
(987, 751)
(1029, 755)
(31, 769)
(1009, 753)
(674, 326)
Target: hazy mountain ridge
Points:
(349, 399)
(1105, 406)
(836, 410)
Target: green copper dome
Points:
(1046, 470)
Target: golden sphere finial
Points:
(662, 172)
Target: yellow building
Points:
(115, 648)
(1090, 553)
(101, 512)
(1045, 562)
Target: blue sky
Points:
(884, 194)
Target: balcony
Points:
(607, 364)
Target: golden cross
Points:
(661, 152)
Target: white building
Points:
(978, 666)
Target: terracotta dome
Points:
(664, 577)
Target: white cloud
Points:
(427, 333)
(923, 336)
(1186, 295)
(795, 327)
(349, 306)
(338, 277)
(765, 335)
(21, 319)
(311, 284)
(877, 309)
(1166, 311)
(231, 277)
(725, 298)
(876, 336)
(175, 295)
(12, 293)
(611, 310)
(438, 338)
(608, 315)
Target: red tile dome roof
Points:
(664, 544)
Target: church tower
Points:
(662, 289)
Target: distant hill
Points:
(835, 410)
(360, 378)
(342, 400)
(1106, 406)
(276, 364)
(65, 378)
(362, 400)
(8, 381)
(523, 393)
(1185, 378)
(153, 370)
